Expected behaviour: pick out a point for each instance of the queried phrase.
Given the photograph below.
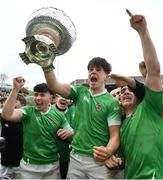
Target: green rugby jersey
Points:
(40, 134)
(92, 118)
(142, 139)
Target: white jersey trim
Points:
(98, 94)
(114, 122)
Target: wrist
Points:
(15, 91)
(109, 152)
(48, 68)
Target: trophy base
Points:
(40, 50)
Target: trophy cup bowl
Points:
(49, 33)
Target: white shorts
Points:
(12, 172)
(43, 171)
(85, 167)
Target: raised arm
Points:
(124, 80)
(136, 86)
(9, 112)
(142, 69)
(153, 78)
(55, 86)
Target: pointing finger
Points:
(129, 13)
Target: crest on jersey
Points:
(98, 106)
(53, 121)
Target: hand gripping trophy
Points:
(49, 33)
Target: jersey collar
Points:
(47, 110)
(98, 94)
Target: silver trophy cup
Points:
(49, 33)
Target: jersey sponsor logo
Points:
(38, 118)
(86, 99)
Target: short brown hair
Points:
(24, 91)
(22, 99)
(100, 62)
